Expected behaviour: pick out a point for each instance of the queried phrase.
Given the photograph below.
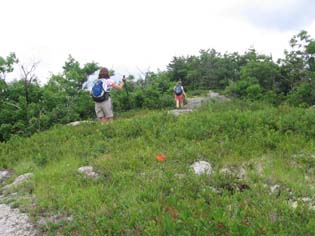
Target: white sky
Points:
(141, 35)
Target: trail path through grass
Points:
(196, 102)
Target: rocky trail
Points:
(196, 102)
(12, 221)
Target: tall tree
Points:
(264, 73)
(6, 64)
(299, 63)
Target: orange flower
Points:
(160, 157)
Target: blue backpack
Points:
(178, 90)
(98, 92)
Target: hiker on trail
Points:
(101, 95)
(179, 94)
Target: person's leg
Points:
(108, 111)
(177, 101)
(106, 120)
(99, 111)
(181, 104)
(181, 101)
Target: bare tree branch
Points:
(28, 74)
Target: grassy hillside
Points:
(262, 182)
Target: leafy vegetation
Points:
(27, 108)
(137, 195)
(260, 145)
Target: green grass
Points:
(137, 195)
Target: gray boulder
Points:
(202, 167)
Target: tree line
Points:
(26, 107)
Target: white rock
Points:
(226, 171)
(202, 167)
(260, 168)
(306, 199)
(88, 171)
(14, 223)
(22, 178)
(241, 173)
(293, 204)
(213, 94)
(214, 190)
(218, 96)
(19, 180)
(84, 169)
(54, 219)
(3, 175)
(177, 112)
(75, 123)
(274, 188)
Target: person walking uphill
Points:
(179, 94)
(101, 95)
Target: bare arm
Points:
(118, 86)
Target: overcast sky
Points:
(144, 35)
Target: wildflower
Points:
(160, 157)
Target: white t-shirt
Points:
(107, 84)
